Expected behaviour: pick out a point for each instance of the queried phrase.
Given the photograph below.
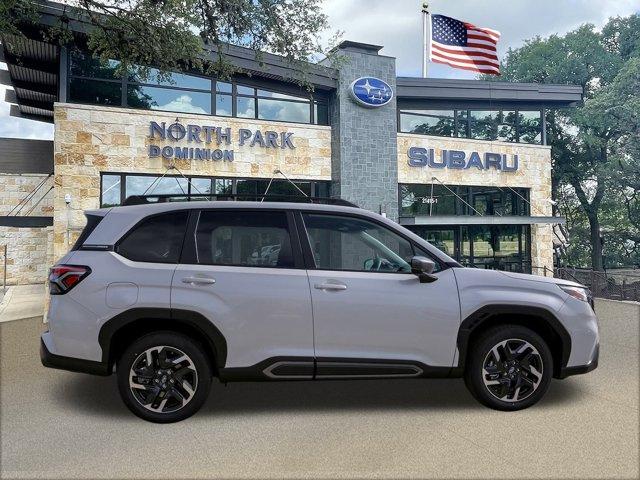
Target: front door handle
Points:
(199, 280)
(330, 286)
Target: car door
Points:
(368, 307)
(242, 270)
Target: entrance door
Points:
(244, 276)
(368, 307)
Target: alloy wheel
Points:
(163, 379)
(512, 370)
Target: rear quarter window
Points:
(92, 223)
(156, 239)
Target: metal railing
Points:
(610, 284)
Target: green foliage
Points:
(172, 35)
(596, 146)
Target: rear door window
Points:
(156, 239)
(244, 238)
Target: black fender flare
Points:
(194, 320)
(486, 313)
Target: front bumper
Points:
(581, 369)
(52, 360)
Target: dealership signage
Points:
(457, 159)
(371, 92)
(198, 135)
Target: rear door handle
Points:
(330, 286)
(199, 280)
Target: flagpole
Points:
(426, 37)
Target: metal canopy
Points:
(33, 74)
(480, 220)
(467, 93)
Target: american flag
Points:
(463, 45)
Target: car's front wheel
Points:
(164, 377)
(509, 368)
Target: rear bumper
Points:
(52, 360)
(581, 369)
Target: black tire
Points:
(510, 377)
(178, 378)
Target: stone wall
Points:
(364, 139)
(28, 254)
(534, 173)
(92, 139)
(27, 248)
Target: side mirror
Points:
(423, 267)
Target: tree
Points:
(593, 146)
(172, 35)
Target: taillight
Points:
(63, 278)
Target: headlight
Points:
(576, 292)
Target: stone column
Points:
(364, 140)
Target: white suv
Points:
(172, 294)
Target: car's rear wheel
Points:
(509, 368)
(164, 377)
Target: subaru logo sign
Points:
(371, 92)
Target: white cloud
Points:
(184, 103)
(397, 25)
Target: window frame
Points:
(462, 129)
(315, 184)
(189, 256)
(125, 82)
(308, 251)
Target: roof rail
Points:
(163, 198)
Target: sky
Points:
(397, 25)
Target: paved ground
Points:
(22, 301)
(62, 425)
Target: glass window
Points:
(148, 185)
(156, 98)
(283, 111)
(83, 64)
(283, 187)
(349, 243)
(417, 200)
(267, 93)
(321, 113)
(242, 90)
(224, 105)
(110, 190)
(245, 107)
(157, 239)
(506, 124)
(323, 189)
(223, 186)
(95, 92)
(247, 187)
(529, 127)
(462, 119)
(152, 75)
(428, 122)
(483, 125)
(200, 185)
(250, 239)
(224, 87)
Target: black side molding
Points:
(51, 360)
(159, 318)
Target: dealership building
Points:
(463, 163)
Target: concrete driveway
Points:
(57, 424)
